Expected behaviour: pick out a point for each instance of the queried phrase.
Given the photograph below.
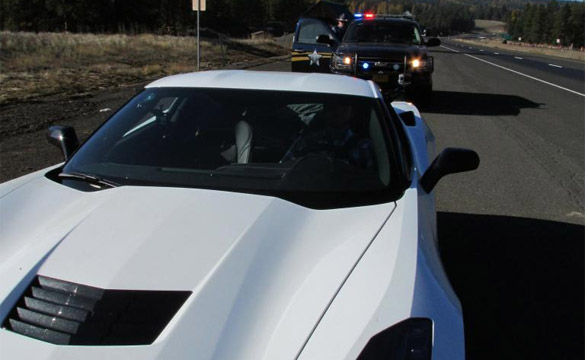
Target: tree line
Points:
(545, 24)
(438, 17)
(534, 22)
(236, 17)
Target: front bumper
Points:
(390, 82)
(390, 74)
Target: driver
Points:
(338, 137)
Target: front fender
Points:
(421, 137)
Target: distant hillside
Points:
(490, 26)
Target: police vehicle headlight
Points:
(421, 64)
(342, 62)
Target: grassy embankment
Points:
(498, 27)
(33, 65)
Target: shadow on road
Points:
(521, 284)
(461, 103)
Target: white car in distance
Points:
(234, 215)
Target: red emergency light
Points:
(369, 16)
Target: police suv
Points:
(388, 49)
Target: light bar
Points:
(369, 16)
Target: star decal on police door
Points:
(314, 57)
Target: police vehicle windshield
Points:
(383, 31)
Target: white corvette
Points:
(234, 215)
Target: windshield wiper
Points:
(91, 179)
(252, 172)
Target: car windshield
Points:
(396, 32)
(306, 147)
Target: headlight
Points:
(411, 339)
(342, 62)
(422, 64)
(418, 64)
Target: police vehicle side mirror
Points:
(433, 42)
(449, 161)
(325, 39)
(64, 138)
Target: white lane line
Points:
(518, 57)
(519, 73)
(557, 66)
(457, 51)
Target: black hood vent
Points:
(65, 313)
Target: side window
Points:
(310, 30)
(417, 37)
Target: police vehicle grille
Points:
(388, 64)
(65, 313)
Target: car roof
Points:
(271, 80)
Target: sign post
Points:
(198, 5)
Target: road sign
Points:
(196, 5)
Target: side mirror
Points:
(433, 42)
(325, 39)
(64, 138)
(449, 161)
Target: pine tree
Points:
(537, 28)
(577, 24)
(527, 22)
(288, 11)
(560, 29)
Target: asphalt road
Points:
(511, 233)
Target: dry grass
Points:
(33, 65)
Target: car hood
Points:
(261, 270)
(381, 49)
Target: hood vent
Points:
(65, 313)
